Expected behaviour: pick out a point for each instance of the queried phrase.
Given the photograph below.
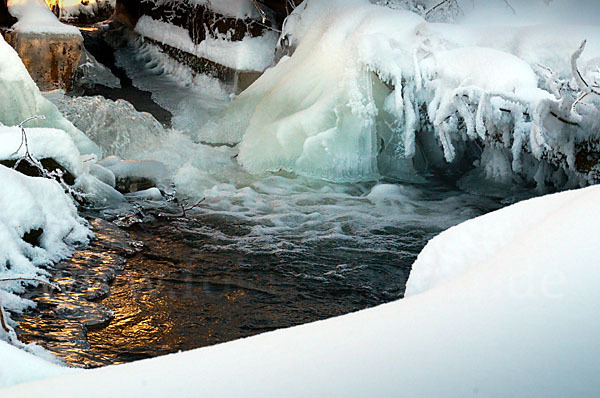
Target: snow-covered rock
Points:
(248, 54)
(34, 16)
(42, 143)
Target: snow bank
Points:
(25, 101)
(371, 91)
(34, 16)
(517, 317)
(248, 54)
(19, 366)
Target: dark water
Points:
(161, 287)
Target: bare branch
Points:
(585, 88)
(432, 9)
(263, 16)
(510, 6)
(52, 285)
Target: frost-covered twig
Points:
(586, 89)
(184, 208)
(29, 158)
(510, 7)
(435, 7)
(52, 285)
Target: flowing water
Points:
(257, 254)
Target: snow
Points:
(42, 143)
(20, 366)
(248, 54)
(27, 101)
(516, 317)
(34, 16)
(27, 204)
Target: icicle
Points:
(417, 67)
(443, 133)
(466, 113)
(410, 121)
(479, 118)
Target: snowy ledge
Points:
(34, 17)
(249, 54)
(532, 291)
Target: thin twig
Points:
(432, 9)
(509, 6)
(54, 286)
(260, 11)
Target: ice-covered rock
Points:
(137, 175)
(371, 91)
(24, 100)
(49, 49)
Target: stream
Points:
(258, 254)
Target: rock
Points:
(50, 59)
(48, 163)
(33, 237)
(133, 184)
(5, 18)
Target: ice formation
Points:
(192, 98)
(115, 126)
(25, 101)
(371, 91)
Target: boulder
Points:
(51, 59)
